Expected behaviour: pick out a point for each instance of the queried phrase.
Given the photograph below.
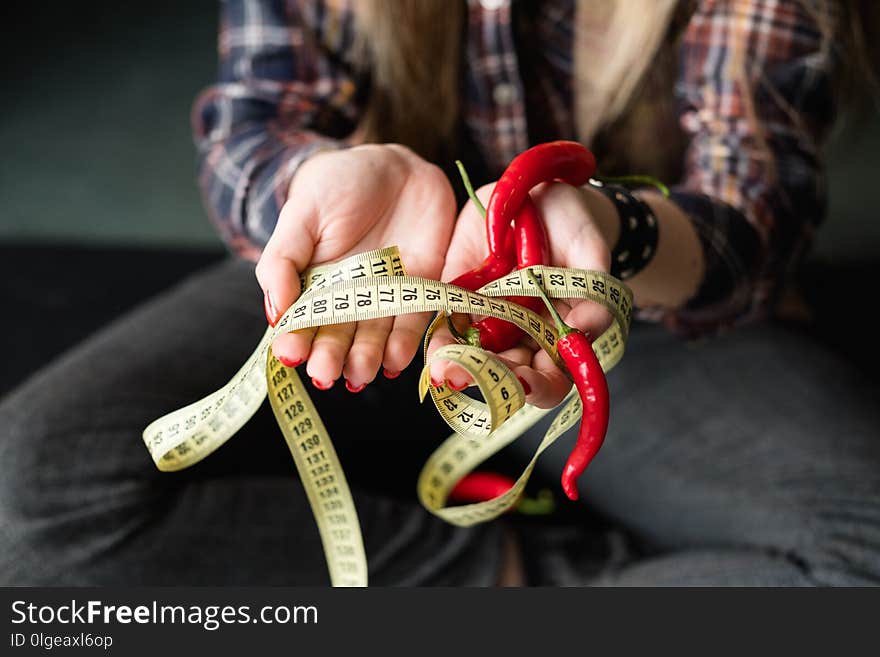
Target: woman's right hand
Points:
(341, 203)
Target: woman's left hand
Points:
(576, 240)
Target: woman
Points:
(318, 142)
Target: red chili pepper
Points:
(495, 334)
(576, 351)
(490, 269)
(480, 486)
(531, 240)
(567, 161)
(531, 249)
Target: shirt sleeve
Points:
(285, 91)
(756, 102)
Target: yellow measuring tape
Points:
(368, 286)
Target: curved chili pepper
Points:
(531, 249)
(480, 486)
(567, 161)
(487, 271)
(496, 334)
(531, 240)
(577, 353)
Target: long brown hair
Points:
(412, 50)
(858, 29)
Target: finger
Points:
(404, 340)
(546, 385)
(456, 377)
(329, 348)
(367, 349)
(589, 317)
(444, 370)
(292, 349)
(468, 247)
(287, 253)
(519, 355)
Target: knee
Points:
(841, 544)
(25, 466)
(46, 458)
(25, 492)
(63, 499)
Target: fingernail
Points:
(352, 388)
(393, 375)
(436, 383)
(320, 385)
(269, 307)
(526, 387)
(455, 386)
(287, 362)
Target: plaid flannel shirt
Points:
(288, 87)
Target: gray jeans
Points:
(748, 459)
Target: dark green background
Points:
(94, 122)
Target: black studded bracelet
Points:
(638, 231)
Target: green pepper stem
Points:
(461, 339)
(541, 505)
(470, 188)
(635, 180)
(563, 328)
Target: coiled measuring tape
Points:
(369, 286)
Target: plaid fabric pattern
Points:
(753, 182)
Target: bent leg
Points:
(82, 503)
(748, 458)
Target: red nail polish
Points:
(526, 387)
(269, 307)
(457, 388)
(320, 385)
(352, 388)
(436, 383)
(391, 375)
(289, 363)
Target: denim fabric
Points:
(748, 459)
(751, 458)
(81, 502)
